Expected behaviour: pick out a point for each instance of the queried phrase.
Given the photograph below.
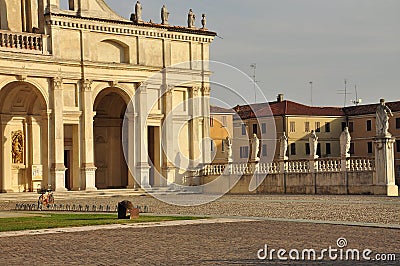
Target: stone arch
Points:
(110, 105)
(24, 128)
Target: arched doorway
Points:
(24, 127)
(112, 169)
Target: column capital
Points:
(206, 90)
(86, 84)
(57, 82)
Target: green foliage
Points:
(57, 220)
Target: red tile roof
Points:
(370, 108)
(285, 107)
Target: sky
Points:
(293, 42)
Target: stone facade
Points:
(67, 78)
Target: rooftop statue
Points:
(138, 12)
(204, 21)
(164, 15)
(283, 146)
(191, 19)
(255, 148)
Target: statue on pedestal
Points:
(228, 147)
(345, 140)
(283, 146)
(255, 148)
(191, 19)
(164, 15)
(382, 119)
(313, 140)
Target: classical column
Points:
(195, 105)
(206, 124)
(58, 168)
(169, 167)
(88, 169)
(142, 165)
(130, 152)
(384, 179)
(6, 157)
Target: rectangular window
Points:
(308, 149)
(211, 121)
(397, 123)
(255, 127)
(306, 126)
(328, 149)
(317, 127)
(263, 128)
(369, 125)
(243, 129)
(351, 127)
(293, 149)
(244, 152)
(343, 125)
(292, 126)
(398, 171)
(184, 102)
(223, 146)
(264, 150)
(352, 150)
(369, 146)
(327, 127)
(224, 121)
(212, 145)
(319, 150)
(397, 145)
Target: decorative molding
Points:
(146, 31)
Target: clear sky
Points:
(294, 42)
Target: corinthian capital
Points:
(57, 82)
(86, 84)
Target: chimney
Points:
(280, 98)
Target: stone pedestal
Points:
(384, 162)
(58, 173)
(89, 175)
(143, 171)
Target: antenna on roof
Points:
(344, 92)
(357, 101)
(255, 81)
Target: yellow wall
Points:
(218, 133)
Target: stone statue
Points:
(204, 21)
(17, 148)
(228, 147)
(138, 12)
(164, 15)
(345, 140)
(191, 19)
(382, 119)
(255, 148)
(283, 146)
(313, 140)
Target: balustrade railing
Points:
(330, 165)
(25, 40)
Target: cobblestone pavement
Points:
(212, 244)
(364, 209)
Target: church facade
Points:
(78, 107)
